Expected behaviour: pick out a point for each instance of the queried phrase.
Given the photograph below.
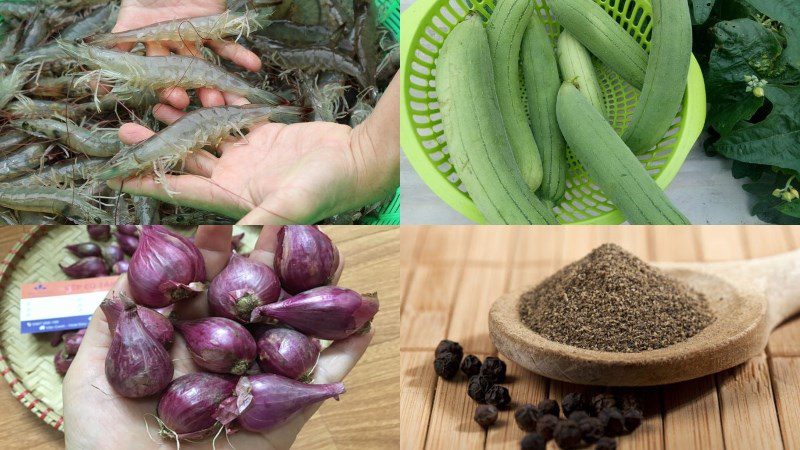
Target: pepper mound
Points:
(613, 301)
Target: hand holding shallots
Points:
(92, 406)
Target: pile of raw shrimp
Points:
(65, 91)
(256, 349)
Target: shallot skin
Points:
(166, 268)
(158, 325)
(265, 401)
(99, 232)
(89, 267)
(326, 312)
(288, 353)
(72, 341)
(218, 344)
(186, 409)
(243, 285)
(85, 249)
(305, 258)
(127, 243)
(137, 365)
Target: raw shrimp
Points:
(20, 11)
(206, 28)
(9, 45)
(11, 141)
(22, 161)
(11, 84)
(7, 217)
(58, 87)
(201, 127)
(64, 172)
(35, 32)
(360, 112)
(324, 98)
(101, 143)
(367, 42)
(316, 59)
(293, 34)
(132, 73)
(146, 210)
(389, 64)
(74, 205)
(26, 108)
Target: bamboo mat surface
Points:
(365, 417)
(451, 275)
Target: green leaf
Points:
(790, 208)
(701, 10)
(741, 169)
(787, 12)
(774, 141)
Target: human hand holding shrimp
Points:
(92, 408)
(138, 13)
(299, 173)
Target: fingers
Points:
(236, 54)
(132, 133)
(97, 333)
(214, 241)
(264, 250)
(200, 163)
(336, 361)
(167, 113)
(233, 99)
(174, 96)
(210, 97)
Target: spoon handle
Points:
(777, 277)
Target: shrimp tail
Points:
(263, 97)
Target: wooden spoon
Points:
(749, 299)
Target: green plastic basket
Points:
(426, 24)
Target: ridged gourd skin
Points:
(576, 66)
(665, 79)
(476, 139)
(611, 164)
(505, 28)
(603, 37)
(540, 71)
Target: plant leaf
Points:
(790, 208)
(774, 141)
(701, 9)
(787, 12)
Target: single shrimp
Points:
(100, 143)
(206, 28)
(11, 141)
(315, 59)
(201, 127)
(367, 42)
(72, 204)
(9, 46)
(35, 32)
(58, 87)
(22, 161)
(65, 172)
(26, 108)
(361, 110)
(294, 34)
(131, 73)
(324, 98)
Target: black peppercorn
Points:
(486, 415)
(477, 388)
(633, 418)
(574, 401)
(446, 365)
(494, 368)
(533, 441)
(526, 416)
(629, 401)
(471, 365)
(577, 416)
(567, 434)
(548, 406)
(606, 444)
(603, 401)
(546, 425)
(451, 347)
(498, 396)
(613, 421)
(592, 429)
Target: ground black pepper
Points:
(498, 396)
(612, 301)
(613, 422)
(446, 365)
(546, 425)
(603, 401)
(471, 365)
(574, 401)
(533, 441)
(451, 347)
(486, 415)
(478, 385)
(606, 443)
(633, 418)
(592, 429)
(494, 368)
(567, 434)
(548, 406)
(526, 416)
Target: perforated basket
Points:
(426, 24)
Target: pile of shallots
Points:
(258, 348)
(98, 261)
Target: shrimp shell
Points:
(205, 28)
(20, 162)
(201, 127)
(132, 73)
(11, 84)
(74, 205)
(26, 108)
(64, 172)
(102, 143)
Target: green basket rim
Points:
(691, 125)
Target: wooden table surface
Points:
(365, 417)
(451, 275)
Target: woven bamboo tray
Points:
(26, 360)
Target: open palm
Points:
(96, 417)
